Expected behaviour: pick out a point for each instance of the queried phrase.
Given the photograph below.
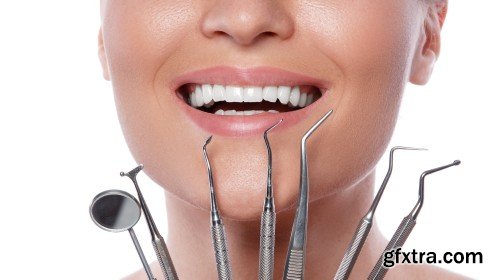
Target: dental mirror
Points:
(117, 211)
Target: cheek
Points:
(140, 37)
(371, 43)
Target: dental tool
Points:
(364, 226)
(162, 254)
(295, 260)
(117, 211)
(268, 220)
(217, 227)
(407, 224)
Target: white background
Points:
(61, 144)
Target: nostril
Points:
(245, 22)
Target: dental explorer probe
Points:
(162, 254)
(406, 226)
(218, 234)
(268, 220)
(295, 259)
(364, 226)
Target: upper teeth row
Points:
(208, 94)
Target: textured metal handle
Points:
(221, 254)
(397, 241)
(164, 259)
(294, 265)
(352, 252)
(266, 256)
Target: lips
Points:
(231, 101)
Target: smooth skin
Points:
(368, 50)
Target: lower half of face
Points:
(185, 70)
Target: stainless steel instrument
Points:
(217, 227)
(267, 221)
(364, 226)
(295, 260)
(159, 245)
(406, 226)
(117, 211)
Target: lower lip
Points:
(233, 126)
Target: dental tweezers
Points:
(406, 226)
(364, 226)
(162, 254)
(267, 221)
(218, 234)
(295, 260)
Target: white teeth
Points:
(273, 111)
(252, 94)
(295, 96)
(284, 94)
(218, 92)
(230, 113)
(309, 99)
(239, 113)
(208, 105)
(192, 99)
(270, 94)
(303, 99)
(199, 96)
(234, 94)
(207, 93)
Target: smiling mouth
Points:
(234, 100)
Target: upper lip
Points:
(257, 76)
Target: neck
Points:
(331, 223)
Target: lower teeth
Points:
(242, 113)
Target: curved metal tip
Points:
(213, 201)
(420, 202)
(407, 148)
(209, 139)
(132, 173)
(316, 125)
(381, 190)
(270, 128)
(269, 162)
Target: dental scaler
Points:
(295, 260)
(218, 234)
(406, 226)
(267, 221)
(359, 238)
(162, 254)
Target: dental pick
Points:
(295, 260)
(358, 240)
(218, 234)
(406, 226)
(162, 254)
(268, 220)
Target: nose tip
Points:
(247, 21)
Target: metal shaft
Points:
(267, 221)
(217, 227)
(365, 225)
(295, 260)
(407, 224)
(141, 254)
(159, 245)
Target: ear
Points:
(429, 43)
(102, 56)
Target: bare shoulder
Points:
(423, 272)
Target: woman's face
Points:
(354, 57)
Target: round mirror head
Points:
(115, 210)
